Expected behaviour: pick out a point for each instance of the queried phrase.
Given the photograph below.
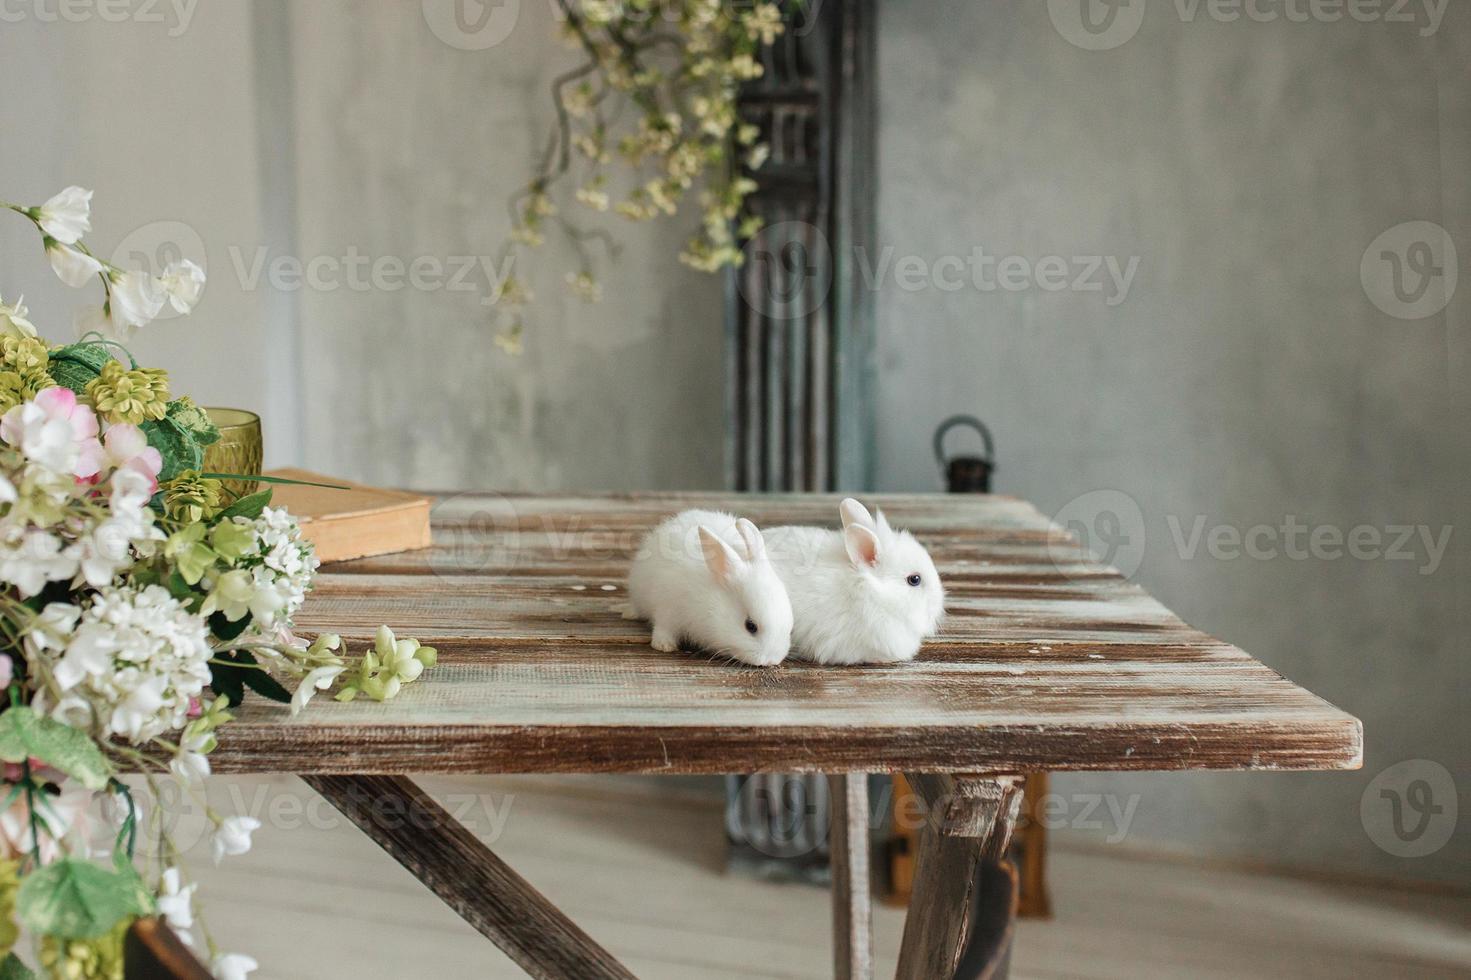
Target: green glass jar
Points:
(239, 449)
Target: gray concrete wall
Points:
(1244, 376)
(159, 118)
(409, 146)
(286, 136)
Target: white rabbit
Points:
(866, 594)
(690, 580)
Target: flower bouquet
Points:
(139, 602)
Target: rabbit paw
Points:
(665, 642)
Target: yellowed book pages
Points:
(354, 523)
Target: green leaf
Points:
(228, 683)
(189, 417)
(178, 586)
(25, 734)
(249, 506)
(224, 629)
(75, 365)
(76, 899)
(265, 685)
(11, 968)
(177, 445)
(272, 479)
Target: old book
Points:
(353, 523)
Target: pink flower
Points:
(7, 670)
(63, 813)
(57, 432)
(126, 447)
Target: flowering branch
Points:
(683, 82)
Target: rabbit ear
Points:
(881, 523)
(720, 557)
(751, 535)
(854, 513)
(862, 545)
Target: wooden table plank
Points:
(1047, 660)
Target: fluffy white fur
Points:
(699, 576)
(850, 596)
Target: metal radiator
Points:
(799, 338)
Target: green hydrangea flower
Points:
(121, 395)
(23, 375)
(190, 498)
(192, 419)
(386, 668)
(86, 959)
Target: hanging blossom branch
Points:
(655, 98)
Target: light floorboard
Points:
(642, 872)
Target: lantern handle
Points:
(969, 421)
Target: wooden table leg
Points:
(852, 901)
(453, 863)
(969, 826)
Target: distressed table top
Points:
(1047, 660)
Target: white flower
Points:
(56, 431)
(191, 764)
(53, 626)
(319, 679)
(232, 966)
(71, 266)
(190, 767)
(67, 216)
(136, 300)
(107, 548)
(232, 594)
(182, 282)
(58, 816)
(31, 558)
(134, 660)
(13, 322)
(232, 837)
(176, 901)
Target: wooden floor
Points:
(643, 874)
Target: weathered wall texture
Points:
(410, 147)
(1243, 378)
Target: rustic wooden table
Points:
(1047, 661)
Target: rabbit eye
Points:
(751, 627)
(914, 580)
